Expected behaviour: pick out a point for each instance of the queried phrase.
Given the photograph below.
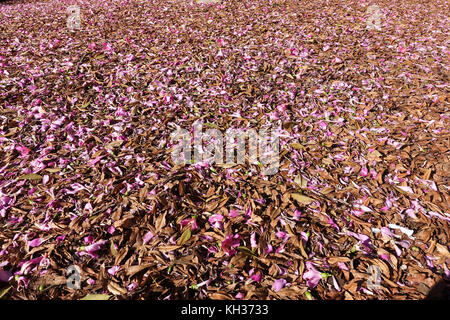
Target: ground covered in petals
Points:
(359, 207)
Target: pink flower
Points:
(148, 236)
(216, 220)
(207, 237)
(230, 243)
(92, 249)
(107, 47)
(132, 286)
(297, 214)
(113, 270)
(34, 243)
(342, 266)
(27, 266)
(312, 276)
(253, 243)
(24, 151)
(291, 51)
(167, 99)
(322, 124)
(221, 42)
(269, 249)
(332, 223)
(278, 285)
(364, 172)
(111, 229)
(88, 239)
(256, 277)
(282, 235)
(282, 107)
(385, 257)
(239, 295)
(191, 221)
(387, 233)
(233, 213)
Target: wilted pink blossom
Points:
(230, 243)
(278, 285)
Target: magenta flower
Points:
(312, 276)
(233, 213)
(92, 249)
(278, 285)
(253, 242)
(239, 296)
(24, 151)
(111, 229)
(342, 266)
(27, 266)
(364, 172)
(230, 243)
(192, 222)
(88, 239)
(257, 277)
(216, 221)
(35, 242)
(282, 235)
(113, 270)
(323, 125)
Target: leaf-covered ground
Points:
(87, 178)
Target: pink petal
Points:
(148, 236)
(113, 270)
(34, 243)
(278, 285)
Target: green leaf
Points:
(308, 295)
(301, 198)
(86, 104)
(211, 125)
(184, 237)
(113, 250)
(4, 291)
(246, 251)
(31, 176)
(194, 287)
(96, 297)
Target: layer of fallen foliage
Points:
(87, 177)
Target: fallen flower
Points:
(278, 284)
(230, 243)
